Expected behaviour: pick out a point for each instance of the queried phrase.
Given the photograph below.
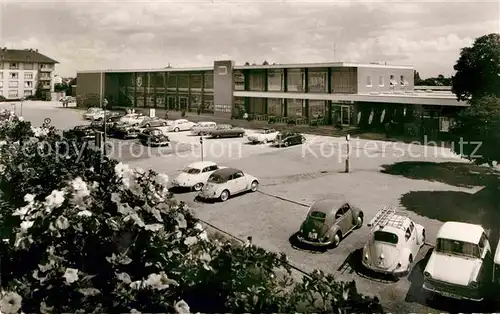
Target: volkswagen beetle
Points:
(328, 221)
(226, 182)
(394, 243)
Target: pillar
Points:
(306, 89)
(329, 102)
(285, 89)
(135, 90)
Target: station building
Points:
(338, 93)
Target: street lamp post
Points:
(347, 138)
(22, 101)
(201, 146)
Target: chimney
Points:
(36, 50)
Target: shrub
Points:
(86, 234)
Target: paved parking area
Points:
(292, 175)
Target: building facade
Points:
(23, 71)
(332, 93)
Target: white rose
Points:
(71, 275)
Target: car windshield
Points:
(191, 170)
(384, 236)
(448, 246)
(156, 132)
(214, 178)
(92, 110)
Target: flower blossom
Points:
(181, 307)
(80, 187)
(10, 303)
(39, 131)
(71, 275)
(84, 213)
(54, 200)
(29, 198)
(25, 225)
(2, 143)
(159, 281)
(62, 223)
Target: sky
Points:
(85, 35)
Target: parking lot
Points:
(292, 178)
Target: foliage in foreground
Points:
(89, 237)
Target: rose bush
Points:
(86, 234)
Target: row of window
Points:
(25, 66)
(15, 93)
(15, 84)
(343, 81)
(27, 76)
(392, 81)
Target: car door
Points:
(411, 238)
(184, 126)
(342, 219)
(205, 173)
(240, 182)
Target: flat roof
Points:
(410, 98)
(257, 67)
(460, 231)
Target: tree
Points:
(478, 69)
(247, 63)
(416, 77)
(477, 131)
(61, 87)
(265, 62)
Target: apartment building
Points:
(23, 71)
(338, 93)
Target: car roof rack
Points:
(388, 216)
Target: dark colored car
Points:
(98, 124)
(153, 137)
(328, 221)
(84, 132)
(153, 122)
(288, 139)
(125, 131)
(226, 130)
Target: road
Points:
(291, 179)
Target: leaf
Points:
(88, 292)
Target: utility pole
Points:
(104, 126)
(347, 138)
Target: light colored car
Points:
(203, 128)
(180, 125)
(394, 243)
(195, 175)
(91, 113)
(226, 182)
(459, 264)
(263, 136)
(134, 119)
(100, 114)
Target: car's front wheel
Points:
(164, 124)
(176, 130)
(148, 125)
(224, 196)
(198, 186)
(254, 186)
(264, 141)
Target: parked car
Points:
(125, 131)
(153, 122)
(288, 139)
(203, 128)
(84, 132)
(263, 136)
(196, 175)
(460, 262)
(328, 221)
(133, 118)
(226, 182)
(394, 243)
(180, 125)
(153, 137)
(92, 113)
(226, 130)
